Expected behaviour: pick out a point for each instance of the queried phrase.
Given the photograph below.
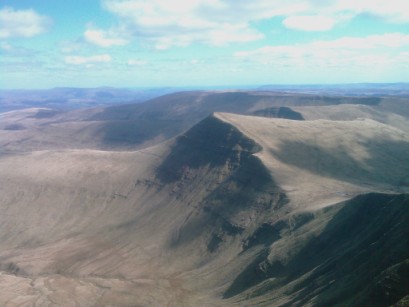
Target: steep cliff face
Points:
(355, 253)
(232, 192)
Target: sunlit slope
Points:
(227, 213)
(390, 113)
(323, 160)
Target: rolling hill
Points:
(136, 126)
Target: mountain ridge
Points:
(221, 214)
(136, 126)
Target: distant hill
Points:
(135, 126)
(66, 98)
(354, 89)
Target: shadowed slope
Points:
(360, 258)
(280, 112)
(240, 191)
(340, 164)
(210, 142)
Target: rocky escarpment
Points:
(233, 191)
(359, 258)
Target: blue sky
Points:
(140, 43)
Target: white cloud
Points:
(403, 57)
(389, 40)
(179, 23)
(5, 46)
(22, 23)
(344, 52)
(221, 36)
(80, 60)
(309, 23)
(391, 10)
(135, 62)
(165, 23)
(71, 46)
(103, 38)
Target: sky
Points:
(156, 43)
